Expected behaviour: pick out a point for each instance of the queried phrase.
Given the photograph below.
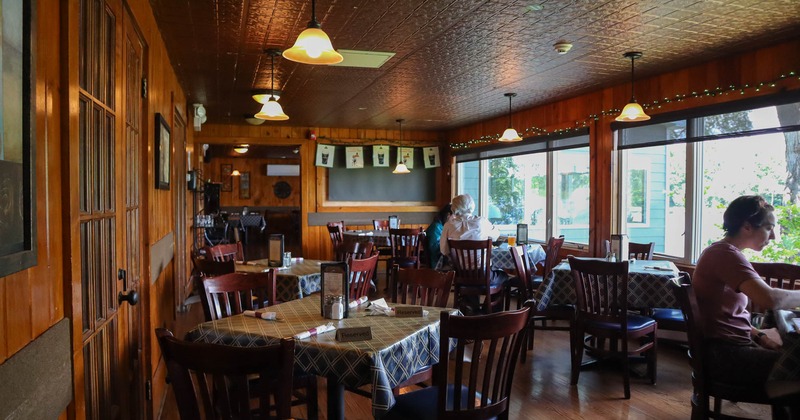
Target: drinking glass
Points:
(512, 240)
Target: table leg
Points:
(335, 400)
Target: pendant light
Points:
(633, 111)
(272, 111)
(510, 134)
(313, 45)
(401, 167)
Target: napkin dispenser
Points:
(619, 246)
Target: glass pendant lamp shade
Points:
(242, 148)
(401, 167)
(632, 111)
(510, 134)
(272, 111)
(313, 45)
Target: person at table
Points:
(724, 280)
(434, 232)
(465, 225)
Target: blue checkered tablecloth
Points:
(297, 281)
(647, 287)
(784, 378)
(501, 257)
(398, 349)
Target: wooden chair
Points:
(471, 261)
(210, 268)
(361, 271)
(517, 286)
(777, 275)
(551, 260)
(420, 286)
(641, 251)
(225, 252)
(705, 386)
(232, 294)
(541, 311)
(602, 293)
(353, 249)
(216, 381)
(406, 249)
(336, 232)
(478, 387)
(380, 224)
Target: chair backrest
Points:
(518, 254)
(217, 381)
(684, 294)
(226, 252)
(406, 246)
(361, 275)
(353, 249)
(422, 286)
(777, 275)
(602, 290)
(551, 254)
(335, 230)
(471, 261)
(380, 224)
(480, 387)
(231, 294)
(210, 268)
(641, 251)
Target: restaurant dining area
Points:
(427, 209)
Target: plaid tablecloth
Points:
(297, 281)
(647, 287)
(377, 237)
(399, 347)
(501, 257)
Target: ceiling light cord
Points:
(272, 75)
(633, 79)
(509, 110)
(313, 23)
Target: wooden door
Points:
(108, 368)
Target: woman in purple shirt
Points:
(724, 281)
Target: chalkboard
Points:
(380, 184)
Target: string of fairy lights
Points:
(656, 104)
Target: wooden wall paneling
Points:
(3, 330)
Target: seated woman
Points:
(433, 233)
(724, 281)
(464, 225)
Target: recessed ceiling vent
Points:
(364, 59)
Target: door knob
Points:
(130, 296)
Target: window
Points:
(677, 177)
(514, 184)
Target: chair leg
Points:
(717, 407)
(577, 355)
(312, 402)
(653, 361)
(626, 373)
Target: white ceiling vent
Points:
(364, 59)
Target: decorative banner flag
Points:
(380, 156)
(406, 155)
(431, 157)
(354, 156)
(325, 153)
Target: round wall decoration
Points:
(282, 189)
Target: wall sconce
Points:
(199, 116)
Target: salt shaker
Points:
(337, 309)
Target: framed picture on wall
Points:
(17, 119)
(225, 171)
(244, 185)
(162, 153)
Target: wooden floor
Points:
(542, 389)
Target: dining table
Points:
(379, 237)
(783, 382)
(648, 285)
(295, 281)
(502, 259)
(399, 346)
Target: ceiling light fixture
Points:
(272, 111)
(510, 134)
(401, 167)
(262, 95)
(633, 111)
(253, 120)
(242, 148)
(236, 173)
(313, 45)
